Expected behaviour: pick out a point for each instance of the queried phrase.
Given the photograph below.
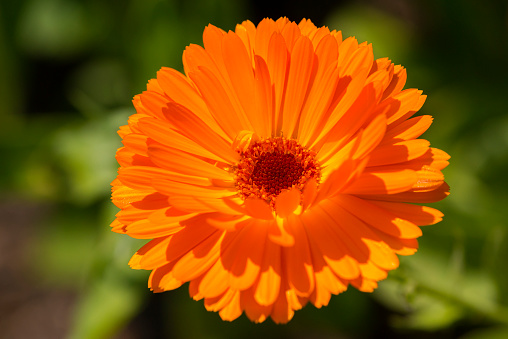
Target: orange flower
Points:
(278, 170)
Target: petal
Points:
(151, 255)
(153, 103)
(378, 217)
(239, 69)
(287, 202)
(280, 233)
(309, 193)
(398, 152)
(268, 285)
(265, 29)
(220, 101)
(258, 208)
(409, 129)
(179, 89)
(413, 197)
(428, 179)
(216, 304)
(254, 311)
(163, 133)
(214, 282)
(319, 231)
(193, 204)
(145, 177)
(175, 160)
(345, 121)
(277, 62)
(243, 258)
(233, 310)
(298, 260)
(383, 182)
(195, 129)
(194, 263)
(299, 76)
(161, 279)
(196, 230)
(145, 229)
(363, 244)
(263, 99)
(418, 215)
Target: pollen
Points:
(269, 166)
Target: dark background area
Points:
(68, 72)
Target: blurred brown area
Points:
(27, 309)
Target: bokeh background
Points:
(68, 72)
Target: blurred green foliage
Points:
(69, 69)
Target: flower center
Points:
(269, 166)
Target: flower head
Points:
(280, 169)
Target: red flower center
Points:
(272, 165)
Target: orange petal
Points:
(400, 106)
(243, 258)
(195, 129)
(277, 62)
(364, 284)
(215, 281)
(258, 208)
(378, 217)
(227, 222)
(239, 69)
(287, 202)
(193, 204)
(370, 137)
(316, 224)
(325, 279)
(163, 133)
(196, 230)
(291, 34)
(279, 233)
(397, 83)
(222, 106)
(282, 312)
(348, 117)
(233, 310)
(409, 129)
(182, 162)
(398, 245)
(179, 89)
(169, 187)
(262, 99)
(383, 182)
(398, 152)
(145, 229)
(151, 255)
(136, 143)
(254, 311)
(268, 285)
(194, 263)
(309, 193)
(153, 103)
(299, 75)
(418, 215)
(361, 240)
(414, 197)
(373, 272)
(298, 260)
(216, 304)
(265, 29)
(428, 179)
(161, 279)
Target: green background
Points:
(68, 72)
